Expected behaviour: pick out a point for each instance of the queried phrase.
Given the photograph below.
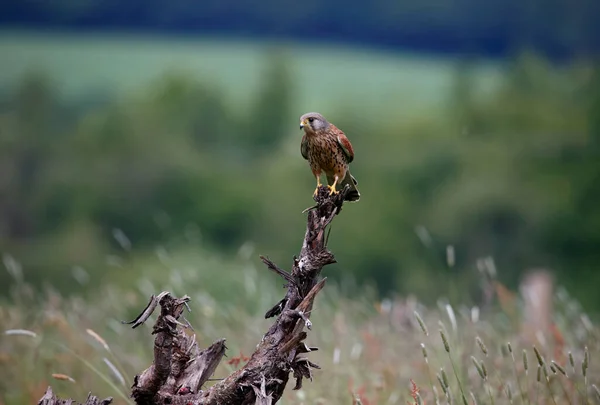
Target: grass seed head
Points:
(478, 367)
(445, 378)
(571, 361)
(586, 362)
(445, 340)
(452, 317)
(539, 357)
(559, 368)
(481, 345)
(441, 381)
(21, 332)
(98, 339)
(421, 323)
(525, 362)
(115, 371)
(62, 377)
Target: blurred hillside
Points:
(497, 161)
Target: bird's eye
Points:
(311, 119)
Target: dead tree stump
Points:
(180, 368)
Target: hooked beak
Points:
(302, 125)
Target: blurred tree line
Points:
(559, 28)
(513, 174)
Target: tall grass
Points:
(371, 352)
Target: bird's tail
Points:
(353, 195)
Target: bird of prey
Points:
(328, 150)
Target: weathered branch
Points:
(180, 369)
(50, 399)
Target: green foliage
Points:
(270, 113)
(507, 171)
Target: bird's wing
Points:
(304, 147)
(344, 143)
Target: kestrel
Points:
(328, 150)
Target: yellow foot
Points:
(332, 190)
(316, 191)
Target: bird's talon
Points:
(332, 190)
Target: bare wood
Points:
(50, 399)
(180, 368)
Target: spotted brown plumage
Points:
(328, 151)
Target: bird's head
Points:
(313, 122)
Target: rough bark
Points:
(180, 368)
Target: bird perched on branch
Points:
(328, 150)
